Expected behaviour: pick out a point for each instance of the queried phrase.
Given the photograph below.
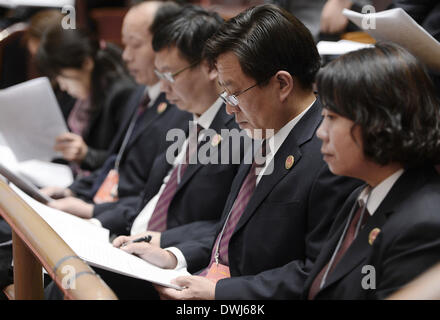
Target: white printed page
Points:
(107, 257)
(65, 224)
(46, 174)
(397, 26)
(31, 120)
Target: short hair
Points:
(69, 48)
(267, 39)
(188, 29)
(387, 92)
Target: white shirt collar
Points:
(275, 142)
(278, 139)
(153, 93)
(379, 192)
(205, 120)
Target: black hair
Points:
(69, 48)
(387, 92)
(267, 39)
(188, 28)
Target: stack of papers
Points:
(91, 243)
(29, 124)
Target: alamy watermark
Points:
(229, 146)
(368, 21)
(69, 20)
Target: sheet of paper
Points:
(91, 243)
(113, 259)
(45, 174)
(36, 3)
(339, 47)
(31, 120)
(65, 224)
(397, 26)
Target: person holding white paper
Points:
(94, 74)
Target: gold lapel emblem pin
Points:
(216, 140)
(290, 162)
(161, 108)
(373, 235)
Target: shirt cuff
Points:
(181, 261)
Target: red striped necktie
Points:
(158, 221)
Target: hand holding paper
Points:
(72, 146)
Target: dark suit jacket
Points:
(200, 195)
(407, 245)
(146, 142)
(286, 220)
(105, 122)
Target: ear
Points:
(285, 84)
(211, 72)
(88, 64)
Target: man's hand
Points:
(57, 192)
(196, 288)
(162, 258)
(155, 238)
(72, 146)
(332, 19)
(73, 206)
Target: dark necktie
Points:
(237, 210)
(158, 221)
(349, 237)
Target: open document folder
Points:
(30, 121)
(395, 25)
(91, 243)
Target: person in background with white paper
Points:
(93, 73)
(321, 16)
(427, 14)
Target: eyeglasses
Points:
(233, 98)
(168, 76)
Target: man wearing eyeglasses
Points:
(182, 192)
(273, 225)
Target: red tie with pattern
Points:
(348, 239)
(158, 221)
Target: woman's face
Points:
(342, 145)
(76, 82)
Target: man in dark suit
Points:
(186, 189)
(278, 214)
(196, 90)
(151, 116)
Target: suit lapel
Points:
(360, 248)
(301, 133)
(149, 118)
(220, 121)
(131, 111)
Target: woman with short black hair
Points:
(381, 125)
(94, 74)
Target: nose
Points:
(126, 55)
(61, 84)
(230, 109)
(321, 133)
(165, 85)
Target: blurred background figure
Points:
(322, 17)
(94, 74)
